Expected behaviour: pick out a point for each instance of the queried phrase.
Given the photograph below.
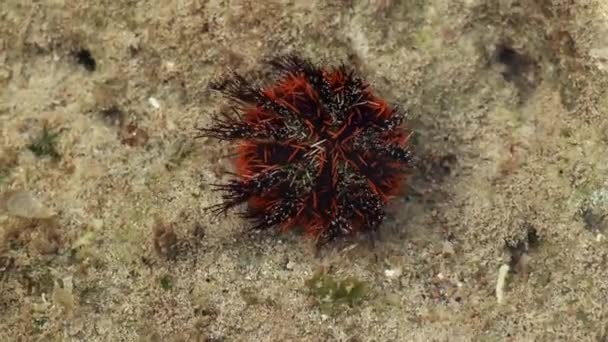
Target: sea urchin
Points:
(316, 149)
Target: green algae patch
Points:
(330, 293)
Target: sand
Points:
(500, 236)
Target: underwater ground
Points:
(501, 235)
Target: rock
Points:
(25, 204)
(600, 56)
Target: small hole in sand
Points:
(84, 58)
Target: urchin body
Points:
(316, 149)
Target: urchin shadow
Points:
(425, 189)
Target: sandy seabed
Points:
(507, 101)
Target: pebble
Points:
(290, 265)
(448, 249)
(134, 136)
(393, 273)
(154, 102)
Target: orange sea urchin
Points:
(316, 149)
